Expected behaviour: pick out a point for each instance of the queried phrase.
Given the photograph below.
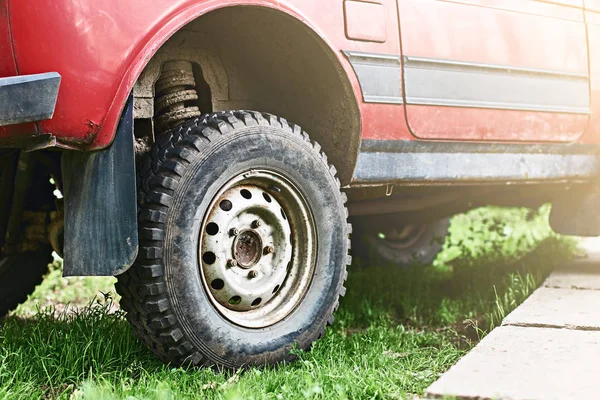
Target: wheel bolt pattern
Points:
(247, 212)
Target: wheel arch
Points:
(295, 73)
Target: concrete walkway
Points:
(548, 348)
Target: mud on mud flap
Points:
(100, 206)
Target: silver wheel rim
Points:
(257, 249)
(405, 237)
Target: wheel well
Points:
(261, 59)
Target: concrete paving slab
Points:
(519, 363)
(559, 308)
(575, 276)
(590, 246)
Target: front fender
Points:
(100, 48)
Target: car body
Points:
(445, 80)
(424, 108)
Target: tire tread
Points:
(142, 288)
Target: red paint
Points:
(592, 5)
(384, 122)
(461, 31)
(476, 124)
(364, 21)
(529, 34)
(592, 134)
(8, 67)
(572, 3)
(7, 61)
(16, 133)
(100, 47)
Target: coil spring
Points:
(176, 96)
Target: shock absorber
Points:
(176, 97)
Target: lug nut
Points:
(232, 263)
(268, 249)
(233, 232)
(256, 223)
(252, 274)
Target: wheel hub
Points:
(257, 249)
(247, 248)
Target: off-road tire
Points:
(163, 294)
(19, 276)
(373, 250)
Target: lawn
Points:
(395, 333)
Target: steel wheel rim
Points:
(257, 249)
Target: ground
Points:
(395, 333)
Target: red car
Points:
(228, 228)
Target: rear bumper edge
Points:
(28, 98)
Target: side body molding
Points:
(101, 207)
(433, 163)
(463, 84)
(379, 76)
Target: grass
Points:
(395, 333)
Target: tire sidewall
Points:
(20, 274)
(261, 147)
(423, 251)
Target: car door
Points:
(592, 19)
(497, 70)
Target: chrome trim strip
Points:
(379, 76)
(436, 82)
(484, 66)
(367, 56)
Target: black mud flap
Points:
(100, 206)
(578, 215)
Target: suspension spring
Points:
(176, 96)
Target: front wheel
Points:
(243, 243)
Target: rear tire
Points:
(19, 276)
(402, 246)
(243, 243)
(20, 273)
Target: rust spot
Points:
(94, 127)
(78, 142)
(247, 248)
